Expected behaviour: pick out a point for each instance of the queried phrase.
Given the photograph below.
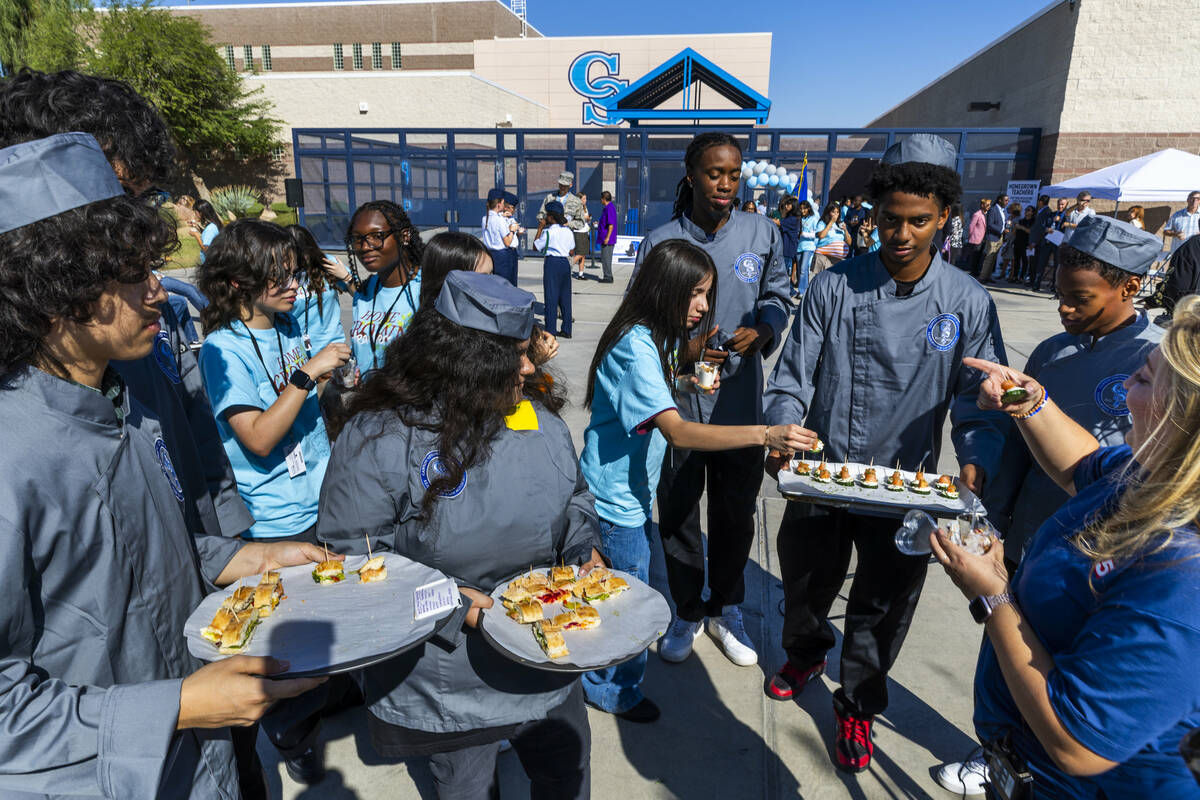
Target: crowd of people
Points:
(142, 475)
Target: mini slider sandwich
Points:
(269, 577)
(329, 572)
(267, 597)
(844, 478)
(373, 571)
(551, 640)
(582, 618)
(221, 620)
(605, 589)
(239, 600)
(235, 637)
(524, 611)
(562, 577)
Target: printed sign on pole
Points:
(1023, 192)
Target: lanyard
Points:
(374, 337)
(261, 360)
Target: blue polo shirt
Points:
(233, 376)
(622, 452)
(1125, 640)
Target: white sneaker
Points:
(730, 635)
(964, 778)
(677, 644)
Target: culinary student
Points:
(873, 364)
(500, 237)
(634, 388)
(98, 692)
(749, 319)
(452, 468)
(383, 239)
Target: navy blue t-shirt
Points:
(1125, 639)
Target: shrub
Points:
(234, 201)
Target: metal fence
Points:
(442, 176)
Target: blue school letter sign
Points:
(604, 84)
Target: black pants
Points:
(814, 553)
(555, 752)
(734, 477)
(556, 294)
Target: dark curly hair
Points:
(310, 262)
(251, 253)
(445, 253)
(1071, 258)
(129, 129)
(916, 177)
(456, 382)
(691, 159)
(399, 222)
(58, 268)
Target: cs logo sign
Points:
(602, 85)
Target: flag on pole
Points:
(802, 192)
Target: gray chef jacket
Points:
(526, 505)
(752, 287)
(875, 374)
(1084, 376)
(100, 575)
(167, 382)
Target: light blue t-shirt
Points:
(207, 235)
(321, 321)
(622, 455)
(808, 232)
(234, 376)
(381, 314)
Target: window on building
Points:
(247, 58)
(277, 153)
(339, 61)
(356, 49)
(266, 57)
(395, 55)
(229, 57)
(377, 55)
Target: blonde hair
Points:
(1164, 496)
(1138, 213)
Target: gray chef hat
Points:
(926, 147)
(1116, 243)
(566, 178)
(487, 303)
(45, 177)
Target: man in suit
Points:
(993, 238)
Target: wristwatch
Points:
(983, 606)
(301, 380)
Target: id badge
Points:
(308, 345)
(295, 462)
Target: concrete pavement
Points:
(720, 736)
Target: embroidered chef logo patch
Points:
(748, 267)
(168, 469)
(165, 357)
(432, 469)
(1110, 395)
(942, 331)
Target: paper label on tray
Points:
(434, 598)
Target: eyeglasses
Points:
(373, 240)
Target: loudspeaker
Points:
(294, 189)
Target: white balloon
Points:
(771, 169)
(781, 172)
(759, 167)
(773, 180)
(752, 181)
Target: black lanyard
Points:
(261, 360)
(407, 293)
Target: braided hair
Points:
(691, 159)
(399, 222)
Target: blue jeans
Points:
(187, 290)
(618, 689)
(806, 259)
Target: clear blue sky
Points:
(833, 64)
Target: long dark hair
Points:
(251, 253)
(310, 260)
(399, 222)
(58, 267)
(207, 214)
(691, 160)
(454, 381)
(555, 218)
(659, 299)
(445, 253)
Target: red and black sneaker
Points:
(791, 680)
(853, 749)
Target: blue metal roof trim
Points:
(675, 75)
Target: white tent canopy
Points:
(1166, 175)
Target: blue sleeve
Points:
(230, 381)
(1130, 675)
(209, 233)
(1103, 462)
(640, 393)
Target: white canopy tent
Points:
(1168, 175)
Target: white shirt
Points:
(1075, 217)
(1184, 223)
(495, 228)
(556, 241)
